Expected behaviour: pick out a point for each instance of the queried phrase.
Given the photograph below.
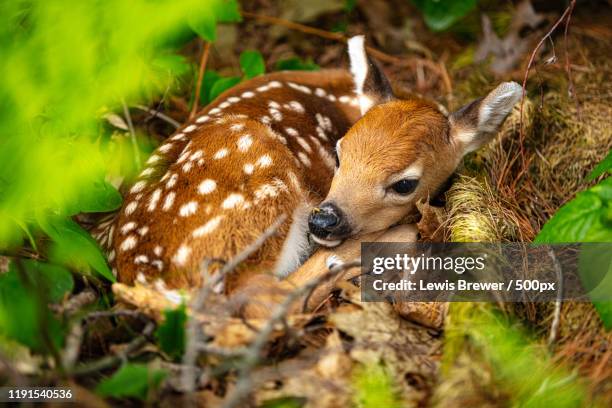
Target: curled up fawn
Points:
(342, 156)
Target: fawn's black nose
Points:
(327, 221)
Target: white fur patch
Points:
(295, 247)
(359, 61)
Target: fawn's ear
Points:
(477, 122)
(371, 84)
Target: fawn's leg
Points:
(262, 292)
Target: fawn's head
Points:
(399, 152)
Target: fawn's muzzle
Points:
(328, 225)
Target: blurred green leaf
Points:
(210, 77)
(204, 22)
(72, 245)
(586, 218)
(171, 333)
(604, 166)
(100, 197)
(252, 64)
(223, 85)
(24, 311)
(441, 14)
(374, 388)
(349, 5)
(131, 380)
(296, 64)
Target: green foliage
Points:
(374, 388)
(441, 14)
(296, 64)
(252, 64)
(604, 167)
(522, 368)
(171, 333)
(62, 68)
(222, 85)
(133, 381)
(204, 23)
(586, 218)
(284, 402)
(25, 292)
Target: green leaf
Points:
(604, 166)
(204, 21)
(171, 333)
(586, 218)
(210, 77)
(349, 5)
(101, 197)
(24, 310)
(205, 25)
(223, 85)
(132, 381)
(73, 246)
(227, 11)
(296, 64)
(252, 64)
(441, 14)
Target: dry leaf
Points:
(431, 222)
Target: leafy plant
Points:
(374, 388)
(131, 380)
(296, 64)
(171, 333)
(441, 14)
(252, 64)
(586, 218)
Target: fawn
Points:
(278, 144)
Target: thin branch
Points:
(252, 356)
(114, 360)
(439, 69)
(568, 68)
(128, 118)
(196, 98)
(554, 327)
(193, 330)
(157, 114)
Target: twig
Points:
(116, 313)
(252, 356)
(203, 61)
(193, 331)
(111, 361)
(72, 349)
(568, 68)
(566, 14)
(158, 114)
(554, 327)
(128, 118)
(376, 53)
(344, 267)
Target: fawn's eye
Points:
(405, 186)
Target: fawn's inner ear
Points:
(477, 122)
(371, 84)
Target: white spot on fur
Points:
(143, 231)
(183, 156)
(172, 181)
(324, 122)
(169, 201)
(248, 94)
(127, 227)
(295, 106)
(129, 243)
(274, 105)
(263, 88)
(264, 191)
(207, 186)
(266, 120)
(157, 250)
(237, 127)
(328, 159)
(188, 209)
(264, 161)
(331, 97)
(304, 159)
(182, 255)
(138, 187)
(154, 200)
(301, 88)
(187, 167)
(232, 201)
(111, 256)
(345, 99)
(275, 84)
(153, 159)
(197, 155)
(178, 136)
(165, 148)
(214, 111)
(233, 99)
(202, 119)
(248, 168)
(224, 105)
(320, 92)
(141, 259)
(190, 128)
(158, 264)
(321, 134)
(291, 131)
(131, 207)
(221, 153)
(147, 172)
(244, 143)
(304, 144)
(276, 114)
(207, 228)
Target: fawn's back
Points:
(262, 149)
